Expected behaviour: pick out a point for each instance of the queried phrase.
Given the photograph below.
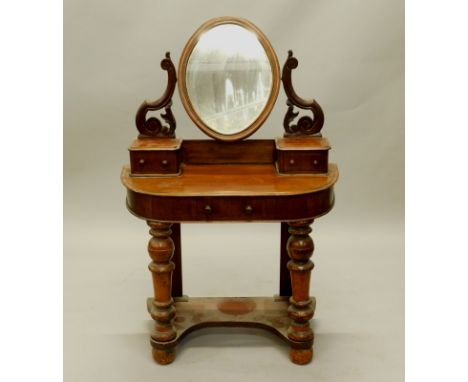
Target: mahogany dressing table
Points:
(229, 79)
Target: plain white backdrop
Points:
(32, 295)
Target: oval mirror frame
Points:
(275, 69)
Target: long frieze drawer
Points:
(228, 208)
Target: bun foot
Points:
(164, 356)
(300, 356)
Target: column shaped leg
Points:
(285, 278)
(177, 259)
(300, 247)
(161, 250)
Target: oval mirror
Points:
(228, 78)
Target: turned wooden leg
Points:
(285, 277)
(177, 259)
(161, 250)
(300, 247)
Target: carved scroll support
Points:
(301, 309)
(306, 125)
(161, 250)
(152, 127)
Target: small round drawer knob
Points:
(141, 161)
(248, 209)
(164, 162)
(208, 209)
(291, 162)
(315, 162)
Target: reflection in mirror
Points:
(228, 78)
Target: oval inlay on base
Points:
(236, 306)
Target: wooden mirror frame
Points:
(276, 78)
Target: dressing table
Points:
(228, 80)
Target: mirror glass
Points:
(229, 78)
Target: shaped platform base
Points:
(269, 313)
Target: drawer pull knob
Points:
(141, 161)
(315, 162)
(248, 209)
(164, 162)
(291, 162)
(208, 209)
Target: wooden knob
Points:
(291, 161)
(164, 162)
(208, 209)
(141, 161)
(248, 209)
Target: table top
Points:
(230, 180)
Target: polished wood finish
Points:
(305, 125)
(231, 180)
(155, 156)
(177, 286)
(170, 181)
(305, 155)
(196, 313)
(161, 250)
(301, 310)
(226, 208)
(270, 52)
(155, 144)
(230, 193)
(261, 151)
(147, 156)
(303, 144)
(241, 209)
(285, 289)
(153, 127)
(154, 162)
(304, 151)
(302, 162)
(222, 192)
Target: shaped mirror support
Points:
(229, 79)
(152, 127)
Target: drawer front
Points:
(154, 162)
(219, 209)
(301, 162)
(261, 208)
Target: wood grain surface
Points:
(230, 180)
